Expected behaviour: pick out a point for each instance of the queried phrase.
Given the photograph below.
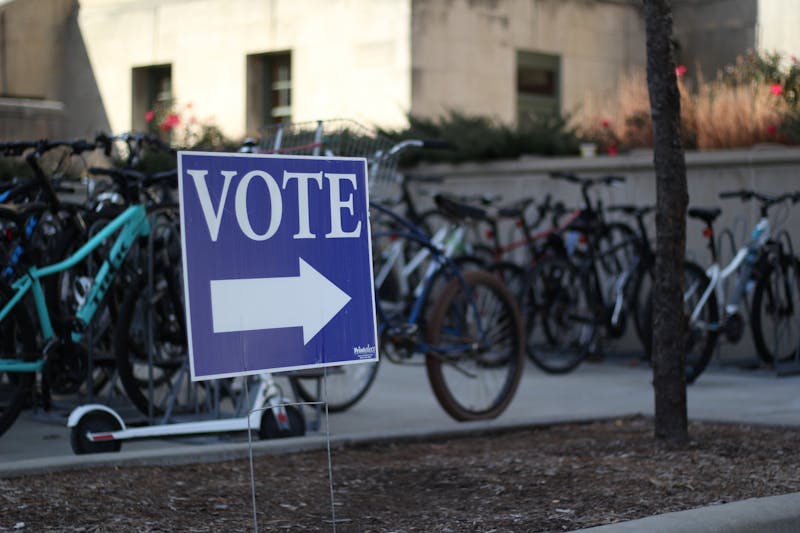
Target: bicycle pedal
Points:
(402, 332)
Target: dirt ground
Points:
(554, 478)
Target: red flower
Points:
(776, 89)
(606, 124)
(680, 70)
(612, 150)
(171, 121)
(772, 129)
(149, 116)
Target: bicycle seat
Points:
(515, 210)
(706, 214)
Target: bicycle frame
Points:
(440, 259)
(717, 274)
(132, 224)
(394, 260)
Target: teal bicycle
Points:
(26, 350)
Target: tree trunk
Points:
(669, 322)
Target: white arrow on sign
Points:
(309, 300)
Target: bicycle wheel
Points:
(152, 330)
(616, 255)
(476, 358)
(151, 346)
(67, 373)
(17, 341)
(640, 292)
(776, 332)
(344, 385)
(701, 337)
(562, 318)
(514, 277)
(444, 275)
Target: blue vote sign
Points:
(277, 262)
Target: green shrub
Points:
(476, 138)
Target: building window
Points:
(269, 89)
(152, 92)
(538, 86)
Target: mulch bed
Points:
(554, 478)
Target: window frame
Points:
(268, 100)
(528, 102)
(146, 93)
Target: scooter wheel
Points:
(271, 429)
(94, 422)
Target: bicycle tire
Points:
(493, 370)
(165, 307)
(345, 385)
(775, 299)
(444, 275)
(562, 322)
(130, 345)
(17, 340)
(617, 249)
(66, 291)
(701, 340)
(641, 291)
(514, 278)
(704, 339)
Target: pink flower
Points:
(680, 70)
(776, 89)
(149, 116)
(171, 121)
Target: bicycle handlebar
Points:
(437, 144)
(587, 182)
(16, 148)
(43, 145)
(566, 176)
(764, 199)
(743, 194)
(433, 144)
(123, 176)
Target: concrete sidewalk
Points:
(402, 406)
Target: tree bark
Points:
(669, 322)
